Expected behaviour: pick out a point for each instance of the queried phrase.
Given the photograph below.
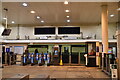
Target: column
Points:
(97, 54)
(105, 28)
(0, 41)
(104, 23)
(118, 42)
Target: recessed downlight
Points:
(68, 20)
(65, 2)
(42, 21)
(38, 17)
(67, 16)
(112, 15)
(25, 4)
(32, 12)
(67, 10)
(118, 9)
(13, 22)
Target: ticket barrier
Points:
(11, 58)
(29, 58)
(24, 59)
(40, 60)
(32, 59)
(36, 58)
(47, 59)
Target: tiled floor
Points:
(54, 71)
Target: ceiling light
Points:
(67, 16)
(65, 2)
(112, 15)
(38, 17)
(68, 20)
(67, 10)
(4, 18)
(42, 21)
(25, 4)
(32, 11)
(118, 9)
(13, 22)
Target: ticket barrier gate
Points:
(29, 58)
(24, 59)
(40, 59)
(11, 58)
(32, 59)
(47, 59)
(36, 58)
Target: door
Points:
(74, 57)
(77, 54)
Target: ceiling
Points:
(53, 13)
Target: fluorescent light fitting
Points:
(118, 9)
(112, 15)
(38, 17)
(42, 21)
(65, 2)
(13, 22)
(68, 20)
(67, 16)
(67, 10)
(25, 4)
(32, 12)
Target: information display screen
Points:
(40, 31)
(69, 30)
(6, 32)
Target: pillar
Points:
(118, 43)
(104, 23)
(97, 54)
(105, 28)
(0, 41)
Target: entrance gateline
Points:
(69, 53)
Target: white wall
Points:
(87, 31)
(1, 27)
(1, 30)
(91, 30)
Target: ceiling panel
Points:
(54, 12)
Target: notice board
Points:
(19, 49)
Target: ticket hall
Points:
(59, 40)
